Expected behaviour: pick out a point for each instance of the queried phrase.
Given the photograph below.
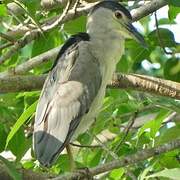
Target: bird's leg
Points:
(71, 159)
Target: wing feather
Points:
(65, 98)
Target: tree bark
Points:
(120, 81)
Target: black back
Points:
(112, 5)
(74, 39)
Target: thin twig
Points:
(126, 131)
(86, 146)
(60, 19)
(161, 42)
(6, 45)
(75, 6)
(170, 118)
(6, 37)
(30, 16)
(104, 147)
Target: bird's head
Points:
(112, 16)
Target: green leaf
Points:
(173, 12)
(95, 159)
(168, 135)
(172, 69)
(173, 174)
(44, 43)
(3, 136)
(123, 65)
(3, 10)
(63, 162)
(169, 159)
(10, 168)
(116, 174)
(19, 144)
(166, 37)
(85, 139)
(136, 51)
(75, 26)
(165, 21)
(145, 172)
(32, 6)
(154, 124)
(174, 2)
(22, 119)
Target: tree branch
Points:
(21, 83)
(26, 174)
(124, 162)
(122, 81)
(31, 63)
(128, 160)
(149, 8)
(147, 84)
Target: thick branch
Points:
(122, 81)
(147, 84)
(149, 8)
(21, 83)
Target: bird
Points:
(74, 89)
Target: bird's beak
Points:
(136, 35)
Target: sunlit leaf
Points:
(3, 10)
(168, 135)
(22, 119)
(162, 37)
(173, 174)
(116, 174)
(173, 12)
(174, 2)
(75, 26)
(153, 126)
(172, 69)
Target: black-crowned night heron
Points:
(75, 87)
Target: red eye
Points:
(118, 15)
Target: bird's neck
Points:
(107, 45)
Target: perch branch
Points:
(120, 81)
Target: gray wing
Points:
(66, 96)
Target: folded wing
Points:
(67, 95)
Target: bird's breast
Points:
(107, 60)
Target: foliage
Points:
(153, 126)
